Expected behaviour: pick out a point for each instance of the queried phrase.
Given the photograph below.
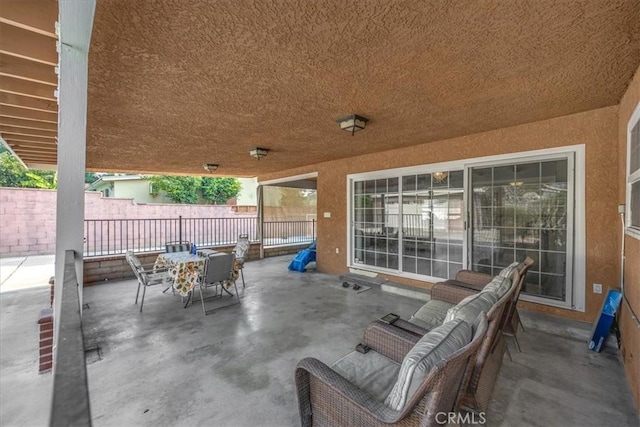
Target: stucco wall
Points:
(597, 129)
(629, 331)
(28, 217)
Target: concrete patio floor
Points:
(173, 366)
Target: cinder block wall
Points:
(27, 221)
(28, 217)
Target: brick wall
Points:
(28, 216)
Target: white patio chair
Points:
(145, 278)
(241, 249)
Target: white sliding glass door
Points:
(524, 209)
(429, 222)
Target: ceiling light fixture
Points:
(210, 167)
(352, 123)
(258, 152)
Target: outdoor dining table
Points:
(184, 268)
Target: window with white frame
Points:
(633, 174)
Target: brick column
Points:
(45, 320)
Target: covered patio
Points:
(173, 366)
(487, 133)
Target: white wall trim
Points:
(628, 178)
(289, 178)
(462, 163)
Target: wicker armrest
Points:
(450, 293)
(473, 278)
(329, 386)
(390, 340)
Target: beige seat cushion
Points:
(431, 315)
(371, 372)
(431, 349)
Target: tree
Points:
(13, 174)
(220, 190)
(180, 189)
(90, 177)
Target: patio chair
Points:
(476, 282)
(145, 278)
(468, 303)
(218, 273)
(404, 380)
(241, 249)
(177, 247)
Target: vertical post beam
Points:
(260, 224)
(74, 28)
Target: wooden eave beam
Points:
(27, 132)
(33, 157)
(20, 68)
(27, 146)
(25, 44)
(27, 124)
(13, 100)
(25, 151)
(38, 16)
(29, 139)
(21, 113)
(26, 88)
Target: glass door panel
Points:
(375, 222)
(433, 223)
(522, 210)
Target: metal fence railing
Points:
(117, 236)
(276, 233)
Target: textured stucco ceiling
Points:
(175, 84)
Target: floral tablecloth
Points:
(184, 267)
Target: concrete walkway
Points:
(26, 272)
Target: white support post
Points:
(75, 22)
(260, 191)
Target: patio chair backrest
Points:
(137, 267)
(481, 376)
(510, 308)
(177, 247)
(442, 387)
(218, 268)
(242, 247)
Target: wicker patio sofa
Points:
(352, 391)
(476, 282)
(446, 297)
